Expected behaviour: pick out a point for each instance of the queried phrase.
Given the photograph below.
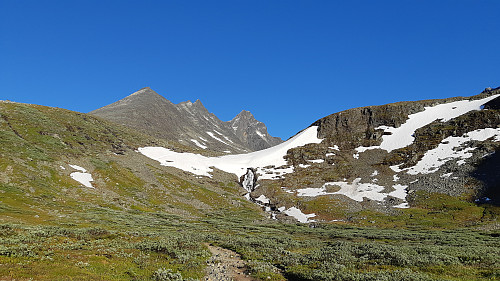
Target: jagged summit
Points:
(187, 122)
(252, 132)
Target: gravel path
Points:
(225, 265)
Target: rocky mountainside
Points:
(398, 156)
(251, 132)
(378, 158)
(189, 123)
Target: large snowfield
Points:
(238, 163)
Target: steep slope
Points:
(146, 111)
(189, 123)
(251, 132)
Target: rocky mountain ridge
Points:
(251, 132)
(189, 123)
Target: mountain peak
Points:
(252, 132)
(145, 92)
(246, 113)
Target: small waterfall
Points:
(249, 180)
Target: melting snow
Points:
(402, 205)
(297, 213)
(222, 135)
(403, 135)
(335, 147)
(451, 149)
(330, 154)
(83, 178)
(399, 192)
(263, 199)
(304, 165)
(261, 134)
(216, 138)
(356, 191)
(78, 168)
(236, 164)
(374, 173)
(316, 161)
(199, 144)
(396, 168)
(447, 175)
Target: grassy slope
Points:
(142, 217)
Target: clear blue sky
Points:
(288, 62)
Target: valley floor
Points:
(159, 246)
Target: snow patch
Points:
(447, 175)
(263, 199)
(261, 134)
(78, 168)
(399, 192)
(216, 138)
(402, 136)
(317, 161)
(402, 206)
(297, 213)
(83, 178)
(356, 191)
(199, 144)
(395, 178)
(335, 147)
(451, 148)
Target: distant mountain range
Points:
(189, 123)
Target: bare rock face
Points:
(147, 111)
(188, 123)
(251, 132)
